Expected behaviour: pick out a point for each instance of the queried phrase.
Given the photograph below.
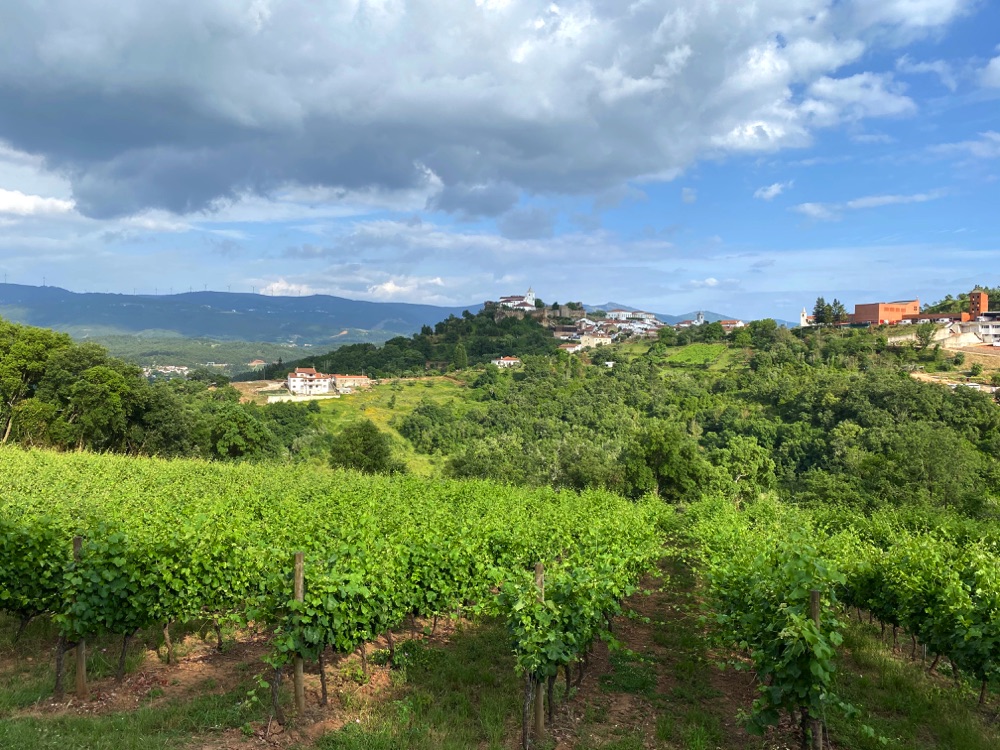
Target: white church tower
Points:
(529, 296)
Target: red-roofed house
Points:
(306, 381)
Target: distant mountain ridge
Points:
(316, 320)
(710, 316)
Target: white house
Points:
(629, 315)
(306, 381)
(506, 362)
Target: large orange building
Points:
(979, 303)
(879, 313)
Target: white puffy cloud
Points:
(912, 15)
(990, 75)
(834, 100)
(940, 68)
(772, 191)
(819, 211)
(987, 146)
(709, 282)
(427, 290)
(17, 203)
(282, 287)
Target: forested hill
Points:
(317, 320)
(459, 340)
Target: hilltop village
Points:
(583, 329)
(572, 324)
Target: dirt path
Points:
(663, 688)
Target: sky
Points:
(671, 155)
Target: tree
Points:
(925, 334)
(711, 332)
(663, 457)
(821, 312)
(668, 335)
(100, 405)
(748, 465)
(764, 333)
(24, 355)
(238, 433)
(365, 448)
(838, 314)
(460, 357)
(976, 370)
(741, 337)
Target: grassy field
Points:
(696, 356)
(632, 349)
(390, 400)
(701, 356)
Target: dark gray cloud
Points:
(474, 201)
(527, 224)
(185, 105)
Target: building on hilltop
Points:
(307, 381)
(524, 302)
(984, 324)
(589, 340)
(882, 313)
(629, 315)
(699, 320)
(979, 303)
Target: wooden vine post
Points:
(539, 693)
(81, 645)
(816, 723)
(300, 687)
